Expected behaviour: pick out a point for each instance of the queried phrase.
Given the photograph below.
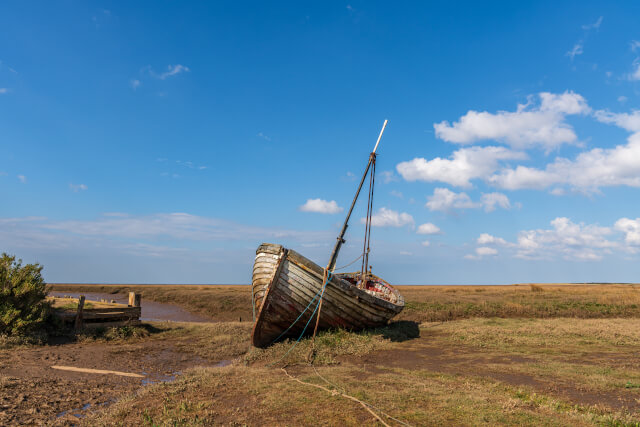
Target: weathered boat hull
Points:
(285, 283)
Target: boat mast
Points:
(340, 240)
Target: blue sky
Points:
(161, 142)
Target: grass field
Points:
(423, 303)
(534, 354)
(466, 372)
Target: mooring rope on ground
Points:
(334, 393)
(368, 404)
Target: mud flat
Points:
(502, 355)
(32, 392)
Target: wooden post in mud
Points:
(134, 299)
(79, 321)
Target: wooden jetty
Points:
(104, 314)
(289, 291)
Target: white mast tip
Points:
(380, 136)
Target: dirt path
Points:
(31, 392)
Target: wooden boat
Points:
(285, 283)
(290, 291)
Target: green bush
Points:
(23, 292)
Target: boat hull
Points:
(285, 284)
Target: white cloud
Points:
(181, 235)
(3, 90)
(181, 226)
(567, 239)
(635, 74)
(186, 164)
(135, 84)
(528, 126)
(77, 187)
(464, 165)
(485, 250)
(622, 99)
(488, 239)
(634, 45)
(172, 70)
(589, 171)
(428, 228)
(405, 253)
(426, 243)
(388, 176)
(482, 251)
(390, 218)
(577, 50)
(446, 200)
(22, 179)
(321, 206)
(595, 25)
(490, 200)
(265, 137)
(631, 229)
(627, 121)
(397, 194)
(558, 192)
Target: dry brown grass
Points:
(263, 396)
(489, 372)
(437, 303)
(531, 354)
(423, 303)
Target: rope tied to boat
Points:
(326, 277)
(321, 294)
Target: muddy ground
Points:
(33, 393)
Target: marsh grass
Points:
(536, 288)
(531, 335)
(330, 345)
(254, 391)
(11, 342)
(422, 303)
(210, 341)
(259, 395)
(441, 303)
(74, 306)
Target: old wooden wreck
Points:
(293, 296)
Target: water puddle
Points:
(151, 311)
(161, 378)
(77, 412)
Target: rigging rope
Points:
(367, 232)
(345, 266)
